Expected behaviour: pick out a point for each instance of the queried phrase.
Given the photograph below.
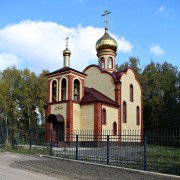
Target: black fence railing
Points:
(151, 150)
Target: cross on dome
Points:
(106, 21)
(66, 42)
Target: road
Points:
(7, 172)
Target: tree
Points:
(42, 95)
(9, 87)
(159, 83)
(133, 63)
(28, 99)
(22, 98)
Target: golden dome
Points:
(106, 42)
(66, 52)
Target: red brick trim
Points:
(97, 121)
(119, 115)
(49, 86)
(82, 90)
(70, 88)
(117, 92)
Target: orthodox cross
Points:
(66, 42)
(106, 14)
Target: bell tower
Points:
(65, 90)
(106, 48)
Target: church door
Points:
(60, 131)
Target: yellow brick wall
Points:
(76, 117)
(102, 82)
(131, 106)
(111, 117)
(87, 121)
(59, 109)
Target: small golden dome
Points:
(66, 52)
(106, 42)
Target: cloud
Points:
(157, 50)
(166, 12)
(39, 45)
(161, 9)
(8, 60)
(124, 45)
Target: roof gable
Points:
(92, 95)
(64, 69)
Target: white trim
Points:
(80, 90)
(50, 94)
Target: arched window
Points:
(76, 90)
(54, 91)
(124, 112)
(102, 63)
(63, 89)
(131, 93)
(104, 116)
(114, 128)
(137, 116)
(110, 63)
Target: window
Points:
(137, 116)
(131, 93)
(104, 116)
(63, 89)
(110, 63)
(76, 90)
(114, 128)
(102, 63)
(124, 112)
(54, 91)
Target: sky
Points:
(33, 32)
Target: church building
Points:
(97, 99)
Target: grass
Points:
(25, 149)
(165, 154)
(164, 159)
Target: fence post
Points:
(145, 151)
(107, 149)
(76, 147)
(30, 139)
(50, 142)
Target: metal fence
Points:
(152, 150)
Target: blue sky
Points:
(33, 32)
